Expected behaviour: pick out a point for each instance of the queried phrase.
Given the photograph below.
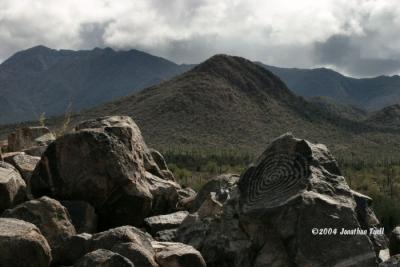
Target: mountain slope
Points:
(232, 103)
(41, 80)
(386, 117)
(368, 93)
(52, 81)
(328, 105)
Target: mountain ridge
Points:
(43, 80)
(386, 117)
(231, 103)
(368, 93)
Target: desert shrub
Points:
(388, 211)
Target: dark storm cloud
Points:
(351, 54)
(195, 49)
(92, 34)
(358, 37)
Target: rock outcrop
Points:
(103, 163)
(394, 241)
(169, 254)
(292, 207)
(12, 187)
(279, 212)
(25, 164)
(169, 235)
(128, 241)
(186, 198)
(165, 222)
(29, 137)
(112, 239)
(298, 187)
(50, 217)
(123, 234)
(22, 245)
(136, 253)
(368, 220)
(74, 248)
(103, 258)
(159, 166)
(165, 194)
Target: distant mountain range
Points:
(368, 93)
(224, 102)
(328, 105)
(52, 81)
(231, 103)
(43, 80)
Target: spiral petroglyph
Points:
(276, 178)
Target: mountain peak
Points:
(41, 79)
(39, 48)
(219, 61)
(33, 60)
(242, 74)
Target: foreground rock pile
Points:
(99, 196)
(100, 177)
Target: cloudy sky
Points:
(356, 37)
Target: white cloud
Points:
(283, 32)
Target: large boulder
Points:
(22, 245)
(12, 187)
(368, 220)
(186, 197)
(24, 163)
(211, 207)
(165, 194)
(272, 217)
(74, 248)
(221, 241)
(103, 258)
(28, 137)
(102, 163)
(139, 255)
(169, 235)
(123, 234)
(50, 217)
(125, 240)
(157, 165)
(394, 241)
(163, 222)
(170, 254)
(295, 183)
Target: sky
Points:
(356, 37)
